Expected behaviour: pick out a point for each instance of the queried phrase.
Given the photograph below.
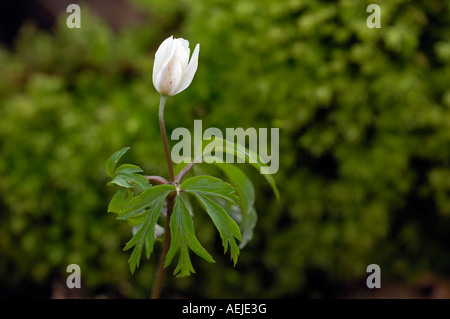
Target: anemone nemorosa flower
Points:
(172, 70)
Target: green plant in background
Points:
(141, 204)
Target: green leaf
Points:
(242, 184)
(207, 185)
(203, 187)
(117, 201)
(183, 237)
(227, 227)
(112, 161)
(145, 199)
(122, 181)
(127, 169)
(121, 199)
(246, 192)
(248, 223)
(136, 219)
(126, 176)
(249, 157)
(146, 233)
(159, 231)
(239, 151)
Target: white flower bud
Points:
(172, 70)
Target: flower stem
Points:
(157, 286)
(162, 127)
(186, 169)
(156, 179)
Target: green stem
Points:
(162, 127)
(157, 286)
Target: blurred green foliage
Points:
(364, 118)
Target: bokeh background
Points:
(364, 118)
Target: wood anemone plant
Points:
(145, 200)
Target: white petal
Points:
(181, 48)
(169, 77)
(190, 72)
(157, 81)
(161, 56)
(185, 45)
